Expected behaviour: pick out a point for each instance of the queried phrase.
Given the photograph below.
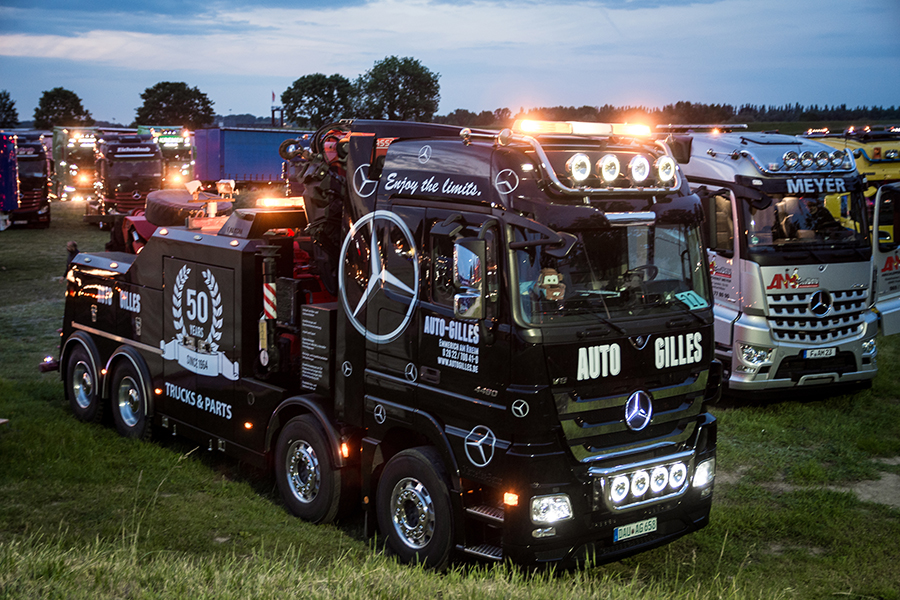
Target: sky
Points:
(488, 54)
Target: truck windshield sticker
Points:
(692, 299)
(380, 277)
(458, 343)
(195, 352)
(430, 185)
(599, 361)
(678, 350)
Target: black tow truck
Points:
(498, 344)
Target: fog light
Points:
(677, 475)
(579, 167)
(755, 355)
(609, 167)
(869, 347)
(706, 472)
(551, 509)
(659, 479)
(619, 489)
(544, 532)
(640, 482)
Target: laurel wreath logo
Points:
(215, 332)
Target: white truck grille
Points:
(792, 321)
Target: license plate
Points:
(634, 530)
(820, 353)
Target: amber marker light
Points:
(510, 499)
(248, 425)
(345, 450)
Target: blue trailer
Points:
(9, 178)
(248, 156)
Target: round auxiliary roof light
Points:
(822, 159)
(619, 489)
(659, 479)
(677, 475)
(579, 167)
(609, 167)
(665, 169)
(791, 159)
(640, 483)
(639, 169)
(837, 157)
(807, 159)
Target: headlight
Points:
(791, 159)
(755, 355)
(579, 167)
(639, 169)
(665, 169)
(551, 509)
(822, 159)
(705, 473)
(608, 167)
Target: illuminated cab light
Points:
(538, 127)
(665, 169)
(291, 202)
(579, 167)
(634, 129)
(639, 169)
(822, 159)
(609, 167)
(510, 499)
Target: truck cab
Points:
(790, 253)
(74, 164)
(497, 344)
(33, 157)
(129, 167)
(9, 179)
(177, 147)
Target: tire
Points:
(82, 386)
(129, 401)
(310, 484)
(413, 507)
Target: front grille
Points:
(29, 199)
(595, 428)
(791, 320)
(125, 202)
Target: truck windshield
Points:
(792, 220)
(613, 274)
(135, 168)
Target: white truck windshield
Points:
(794, 220)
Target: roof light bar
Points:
(535, 127)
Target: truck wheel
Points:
(304, 468)
(129, 404)
(413, 507)
(82, 386)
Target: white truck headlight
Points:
(705, 473)
(755, 355)
(869, 347)
(579, 167)
(551, 509)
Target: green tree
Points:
(9, 117)
(175, 103)
(398, 88)
(60, 106)
(314, 100)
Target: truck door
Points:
(464, 363)
(886, 257)
(200, 367)
(720, 234)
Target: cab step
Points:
(486, 551)
(484, 512)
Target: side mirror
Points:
(468, 275)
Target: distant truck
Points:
(73, 160)
(177, 147)
(9, 178)
(248, 156)
(33, 158)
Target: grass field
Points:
(807, 501)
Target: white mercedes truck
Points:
(791, 259)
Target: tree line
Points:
(404, 89)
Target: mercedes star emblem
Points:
(364, 186)
(424, 154)
(346, 368)
(411, 372)
(820, 303)
(506, 181)
(352, 271)
(380, 414)
(480, 445)
(519, 408)
(638, 410)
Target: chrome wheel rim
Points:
(83, 385)
(412, 513)
(303, 471)
(129, 401)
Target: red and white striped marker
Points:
(269, 300)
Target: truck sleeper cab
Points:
(790, 255)
(516, 364)
(33, 156)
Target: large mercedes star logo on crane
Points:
(364, 272)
